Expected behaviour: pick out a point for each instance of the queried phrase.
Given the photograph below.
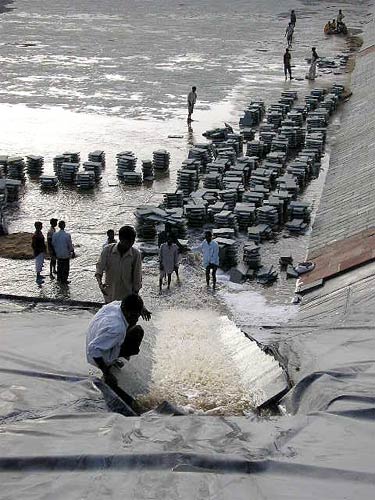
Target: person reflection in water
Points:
(190, 137)
(113, 333)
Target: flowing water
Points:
(114, 75)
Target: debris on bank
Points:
(16, 246)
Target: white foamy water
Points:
(203, 362)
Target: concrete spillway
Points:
(203, 362)
(196, 359)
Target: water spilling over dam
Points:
(201, 361)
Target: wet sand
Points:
(16, 246)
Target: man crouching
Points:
(113, 333)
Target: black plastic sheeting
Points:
(64, 434)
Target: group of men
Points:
(287, 55)
(289, 32)
(120, 264)
(60, 249)
(314, 56)
(289, 38)
(337, 25)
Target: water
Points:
(200, 361)
(114, 75)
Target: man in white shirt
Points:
(168, 261)
(114, 333)
(210, 250)
(64, 250)
(289, 34)
(191, 100)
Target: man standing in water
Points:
(168, 261)
(122, 265)
(191, 100)
(110, 238)
(63, 247)
(113, 333)
(287, 66)
(314, 62)
(210, 250)
(289, 34)
(51, 251)
(340, 17)
(39, 248)
(293, 18)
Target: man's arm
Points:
(176, 256)
(216, 254)
(137, 281)
(161, 258)
(101, 267)
(109, 378)
(137, 272)
(70, 245)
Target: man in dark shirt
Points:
(51, 251)
(293, 18)
(39, 248)
(287, 66)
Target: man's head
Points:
(132, 307)
(38, 225)
(53, 222)
(126, 236)
(111, 234)
(286, 51)
(62, 225)
(170, 239)
(194, 89)
(340, 12)
(208, 236)
(292, 11)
